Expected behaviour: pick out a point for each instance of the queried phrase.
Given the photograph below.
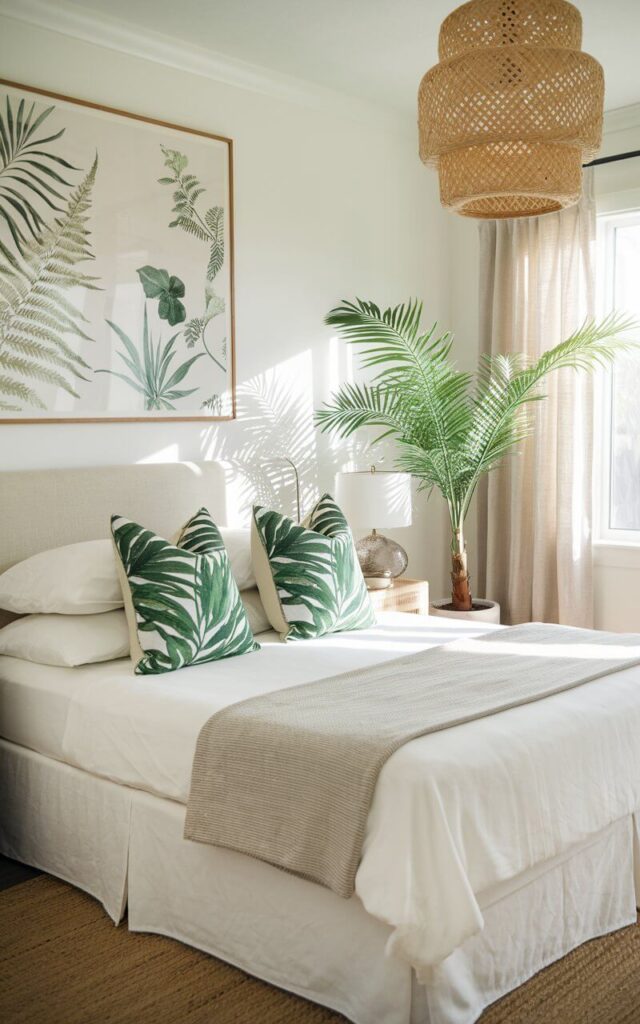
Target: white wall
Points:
(330, 202)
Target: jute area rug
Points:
(63, 962)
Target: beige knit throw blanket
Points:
(288, 777)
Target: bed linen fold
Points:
(289, 777)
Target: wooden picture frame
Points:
(116, 269)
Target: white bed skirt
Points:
(119, 844)
(64, 821)
(306, 939)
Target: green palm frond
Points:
(36, 316)
(149, 368)
(360, 405)
(506, 389)
(406, 359)
(398, 325)
(430, 396)
(449, 435)
(31, 176)
(449, 473)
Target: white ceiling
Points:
(373, 49)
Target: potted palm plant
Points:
(451, 427)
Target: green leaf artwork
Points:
(149, 369)
(196, 328)
(215, 222)
(158, 284)
(30, 175)
(67, 199)
(213, 404)
(206, 227)
(37, 312)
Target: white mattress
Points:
(34, 703)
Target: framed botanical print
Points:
(116, 265)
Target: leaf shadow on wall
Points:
(274, 421)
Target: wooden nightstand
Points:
(402, 596)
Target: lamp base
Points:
(381, 559)
(378, 582)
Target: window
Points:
(618, 433)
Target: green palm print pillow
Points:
(309, 576)
(182, 602)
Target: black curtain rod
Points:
(612, 159)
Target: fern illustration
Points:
(36, 314)
(195, 330)
(207, 227)
(215, 222)
(213, 404)
(187, 191)
(30, 178)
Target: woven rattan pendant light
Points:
(513, 108)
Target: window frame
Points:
(614, 210)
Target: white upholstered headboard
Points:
(41, 509)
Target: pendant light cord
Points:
(613, 159)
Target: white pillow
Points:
(238, 545)
(254, 608)
(78, 579)
(67, 640)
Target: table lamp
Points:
(384, 498)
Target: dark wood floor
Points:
(12, 873)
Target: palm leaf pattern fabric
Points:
(315, 571)
(185, 599)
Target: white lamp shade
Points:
(375, 499)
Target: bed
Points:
(96, 762)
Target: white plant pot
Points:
(486, 611)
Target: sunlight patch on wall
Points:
(274, 422)
(171, 453)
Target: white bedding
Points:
(454, 813)
(142, 730)
(34, 704)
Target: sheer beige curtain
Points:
(534, 513)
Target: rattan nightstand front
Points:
(402, 596)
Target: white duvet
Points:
(454, 813)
